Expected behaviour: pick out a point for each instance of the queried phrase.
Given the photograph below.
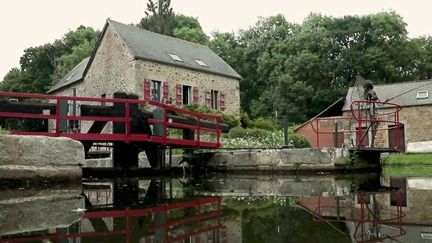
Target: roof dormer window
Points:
(201, 63)
(424, 94)
(175, 57)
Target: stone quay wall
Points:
(40, 158)
(268, 160)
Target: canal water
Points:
(223, 208)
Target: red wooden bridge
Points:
(124, 121)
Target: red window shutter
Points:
(179, 95)
(147, 89)
(165, 95)
(208, 98)
(222, 101)
(195, 95)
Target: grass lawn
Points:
(407, 159)
(416, 170)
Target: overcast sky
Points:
(26, 23)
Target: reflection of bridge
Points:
(125, 121)
(198, 219)
(371, 223)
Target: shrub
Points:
(239, 132)
(3, 131)
(239, 137)
(231, 120)
(245, 121)
(298, 141)
(263, 123)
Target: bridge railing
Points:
(165, 223)
(123, 111)
(365, 119)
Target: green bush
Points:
(3, 131)
(298, 141)
(245, 121)
(231, 120)
(263, 123)
(239, 132)
(239, 137)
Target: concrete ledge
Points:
(419, 147)
(40, 157)
(57, 173)
(281, 159)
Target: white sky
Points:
(26, 23)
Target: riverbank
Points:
(40, 159)
(406, 159)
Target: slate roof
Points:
(403, 94)
(147, 45)
(74, 75)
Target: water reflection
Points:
(230, 208)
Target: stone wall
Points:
(112, 70)
(40, 158)
(281, 159)
(177, 75)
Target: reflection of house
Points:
(153, 66)
(415, 132)
(414, 201)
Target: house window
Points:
(214, 99)
(156, 90)
(103, 96)
(187, 95)
(424, 94)
(201, 63)
(175, 57)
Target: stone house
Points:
(415, 131)
(153, 66)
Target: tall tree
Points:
(159, 17)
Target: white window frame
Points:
(201, 62)
(175, 57)
(423, 94)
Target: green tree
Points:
(41, 66)
(159, 17)
(285, 65)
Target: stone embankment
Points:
(32, 209)
(40, 158)
(275, 160)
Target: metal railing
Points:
(126, 119)
(362, 119)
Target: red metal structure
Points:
(204, 224)
(364, 118)
(200, 140)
